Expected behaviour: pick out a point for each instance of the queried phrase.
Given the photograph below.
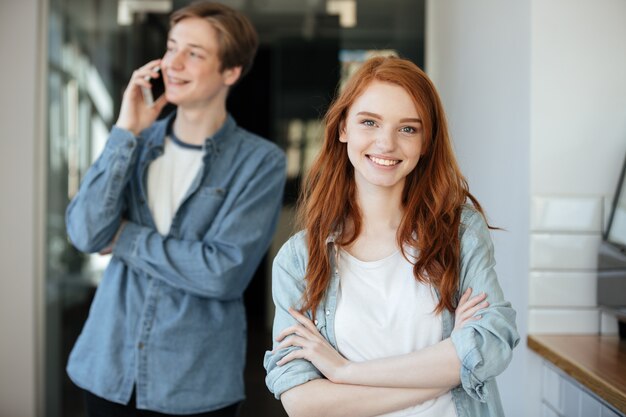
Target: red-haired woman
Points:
(374, 306)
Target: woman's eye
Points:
(368, 122)
(408, 129)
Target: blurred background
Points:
(536, 98)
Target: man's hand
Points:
(135, 115)
(109, 249)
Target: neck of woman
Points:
(381, 214)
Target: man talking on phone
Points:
(187, 206)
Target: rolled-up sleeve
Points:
(287, 289)
(484, 346)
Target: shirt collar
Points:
(218, 139)
(223, 133)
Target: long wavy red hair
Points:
(433, 195)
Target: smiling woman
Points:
(387, 303)
(383, 135)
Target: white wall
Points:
(578, 96)
(578, 142)
(478, 55)
(19, 184)
(536, 96)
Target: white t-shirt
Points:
(383, 311)
(169, 179)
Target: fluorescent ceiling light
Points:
(126, 9)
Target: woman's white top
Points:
(169, 179)
(383, 311)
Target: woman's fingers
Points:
(465, 296)
(293, 340)
(471, 302)
(296, 354)
(468, 307)
(295, 329)
(302, 319)
(304, 328)
(470, 312)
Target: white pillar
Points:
(22, 166)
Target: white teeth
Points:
(385, 162)
(175, 80)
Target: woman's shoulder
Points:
(473, 222)
(297, 241)
(294, 251)
(469, 214)
(289, 266)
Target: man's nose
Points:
(175, 60)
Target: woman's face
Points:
(383, 132)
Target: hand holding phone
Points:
(140, 108)
(150, 95)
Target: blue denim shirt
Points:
(168, 315)
(484, 346)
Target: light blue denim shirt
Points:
(484, 346)
(168, 315)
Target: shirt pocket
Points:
(201, 210)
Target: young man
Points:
(187, 206)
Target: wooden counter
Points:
(597, 362)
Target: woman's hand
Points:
(314, 347)
(467, 308)
(135, 114)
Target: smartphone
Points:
(150, 95)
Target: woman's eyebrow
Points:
(411, 120)
(369, 114)
(378, 116)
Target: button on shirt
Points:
(168, 316)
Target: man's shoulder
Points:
(257, 144)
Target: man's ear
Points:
(231, 75)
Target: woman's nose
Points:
(385, 140)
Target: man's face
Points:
(191, 65)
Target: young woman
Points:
(374, 307)
(187, 205)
